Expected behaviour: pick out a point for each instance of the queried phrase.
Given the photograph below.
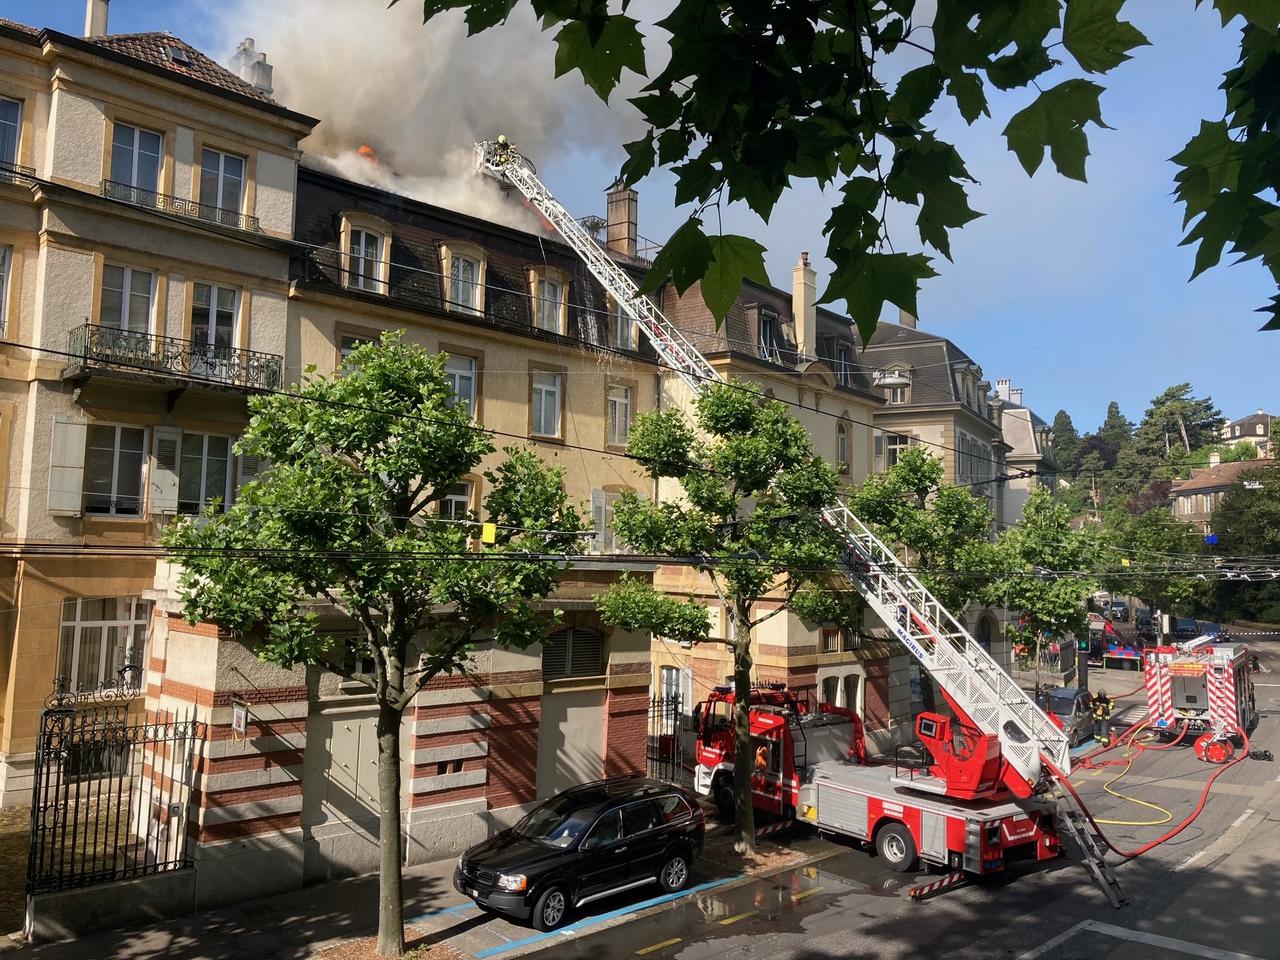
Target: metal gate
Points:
(110, 796)
(666, 740)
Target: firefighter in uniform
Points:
(504, 149)
(1102, 718)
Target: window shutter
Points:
(586, 653)
(602, 542)
(249, 466)
(166, 443)
(66, 466)
(555, 655)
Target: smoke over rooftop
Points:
(422, 95)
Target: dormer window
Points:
(464, 276)
(549, 289)
(844, 365)
(770, 337)
(366, 245)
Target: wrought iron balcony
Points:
(114, 190)
(15, 172)
(133, 354)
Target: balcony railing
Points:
(15, 172)
(114, 190)
(142, 354)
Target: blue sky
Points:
(1078, 292)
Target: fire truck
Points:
(1206, 685)
(951, 808)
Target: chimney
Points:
(804, 307)
(1002, 389)
(1259, 411)
(622, 213)
(1015, 396)
(251, 66)
(905, 319)
(95, 18)
(1215, 459)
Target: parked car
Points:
(1072, 707)
(1144, 625)
(1119, 611)
(582, 845)
(1185, 628)
(1210, 629)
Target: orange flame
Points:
(366, 151)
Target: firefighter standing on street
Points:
(1102, 718)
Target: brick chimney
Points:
(622, 213)
(251, 66)
(804, 307)
(906, 319)
(95, 18)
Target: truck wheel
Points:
(896, 848)
(722, 794)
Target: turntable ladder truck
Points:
(1033, 750)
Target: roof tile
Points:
(154, 48)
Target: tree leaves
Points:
(1264, 14)
(1222, 220)
(600, 58)
(966, 88)
(733, 259)
(1056, 120)
(873, 278)
(1096, 37)
(916, 94)
(685, 258)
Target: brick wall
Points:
(626, 730)
(513, 751)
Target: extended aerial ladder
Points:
(971, 681)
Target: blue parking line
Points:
(456, 908)
(601, 918)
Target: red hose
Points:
(1173, 832)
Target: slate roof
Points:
(1220, 477)
(930, 357)
(154, 48)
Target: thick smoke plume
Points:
(422, 95)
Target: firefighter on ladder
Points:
(503, 147)
(1102, 718)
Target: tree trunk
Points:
(744, 760)
(1182, 428)
(390, 906)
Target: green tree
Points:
(1044, 579)
(945, 530)
(1247, 524)
(1163, 554)
(750, 522)
(1115, 434)
(752, 96)
(1066, 443)
(1177, 419)
(345, 515)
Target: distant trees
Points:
(1248, 525)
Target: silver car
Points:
(1074, 709)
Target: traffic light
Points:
(1082, 645)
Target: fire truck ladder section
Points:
(963, 670)
(1092, 853)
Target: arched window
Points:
(842, 448)
(984, 633)
(830, 690)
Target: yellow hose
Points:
(1129, 756)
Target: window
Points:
(126, 298)
(135, 158)
(622, 327)
(1258, 427)
(549, 301)
(204, 472)
(221, 183)
(113, 470)
(1237, 429)
(894, 445)
(461, 373)
(573, 653)
(900, 394)
(842, 448)
(364, 262)
(6, 257)
(830, 640)
(464, 284)
(849, 639)
(456, 503)
(639, 817)
(852, 686)
(546, 404)
(844, 369)
(102, 641)
(619, 414)
(606, 832)
(348, 343)
(770, 337)
(213, 316)
(830, 690)
(10, 128)
(604, 541)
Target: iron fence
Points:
(142, 353)
(670, 741)
(193, 210)
(110, 796)
(15, 173)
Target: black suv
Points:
(582, 845)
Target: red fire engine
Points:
(953, 809)
(1207, 686)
